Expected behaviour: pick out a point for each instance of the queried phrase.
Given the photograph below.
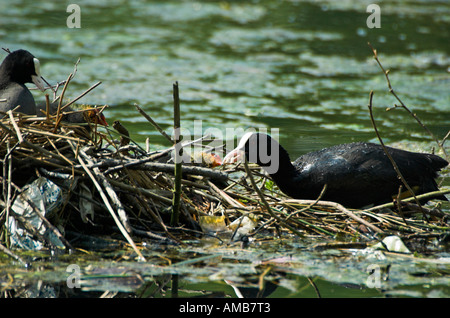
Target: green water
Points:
(208, 269)
(303, 67)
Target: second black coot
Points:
(356, 174)
(19, 67)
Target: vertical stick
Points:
(47, 108)
(178, 156)
(175, 286)
(61, 97)
(394, 165)
(8, 189)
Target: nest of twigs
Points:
(111, 185)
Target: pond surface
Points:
(276, 268)
(302, 67)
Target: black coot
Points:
(357, 174)
(19, 67)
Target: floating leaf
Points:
(212, 223)
(392, 244)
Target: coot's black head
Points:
(21, 67)
(261, 149)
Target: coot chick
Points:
(19, 67)
(197, 158)
(357, 175)
(86, 114)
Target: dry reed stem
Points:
(394, 164)
(154, 124)
(108, 205)
(338, 207)
(391, 90)
(178, 156)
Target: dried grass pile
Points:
(111, 185)
(108, 184)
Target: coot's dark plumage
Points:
(357, 174)
(19, 67)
